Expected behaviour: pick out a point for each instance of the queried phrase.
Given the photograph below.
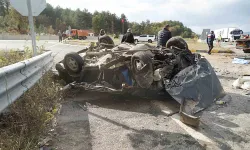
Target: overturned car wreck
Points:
(146, 71)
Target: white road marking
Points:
(200, 137)
(53, 45)
(195, 134)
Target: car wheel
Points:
(63, 74)
(106, 39)
(142, 68)
(84, 38)
(150, 41)
(73, 63)
(136, 41)
(177, 42)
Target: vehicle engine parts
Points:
(144, 71)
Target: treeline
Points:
(177, 28)
(51, 20)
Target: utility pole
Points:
(113, 31)
(32, 31)
(122, 26)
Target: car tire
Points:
(63, 74)
(73, 63)
(106, 39)
(84, 38)
(177, 42)
(136, 41)
(150, 41)
(143, 76)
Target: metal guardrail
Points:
(17, 78)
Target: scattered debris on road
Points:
(240, 61)
(220, 102)
(242, 83)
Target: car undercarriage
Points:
(144, 70)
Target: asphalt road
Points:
(59, 49)
(21, 44)
(95, 121)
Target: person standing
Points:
(60, 36)
(128, 37)
(163, 36)
(102, 33)
(210, 41)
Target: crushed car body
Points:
(144, 70)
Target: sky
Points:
(195, 14)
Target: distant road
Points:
(21, 44)
(59, 49)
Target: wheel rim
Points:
(104, 41)
(72, 64)
(139, 65)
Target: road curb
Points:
(213, 51)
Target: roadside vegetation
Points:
(11, 57)
(193, 44)
(30, 117)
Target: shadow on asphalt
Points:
(127, 102)
(218, 126)
(151, 139)
(213, 126)
(74, 128)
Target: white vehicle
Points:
(145, 38)
(228, 34)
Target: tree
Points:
(51, 30)
(83, 19)
(4, 7)
(146, 27)
(44, 20)
(53, 19)
(97, 23)
(41, 29)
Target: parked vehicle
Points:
(145, 38)
(243, 44)
(228, 34)
(77, 34)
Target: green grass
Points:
(11, 57)
(195, 45)
(14, 56)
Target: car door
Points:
(143, 38)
